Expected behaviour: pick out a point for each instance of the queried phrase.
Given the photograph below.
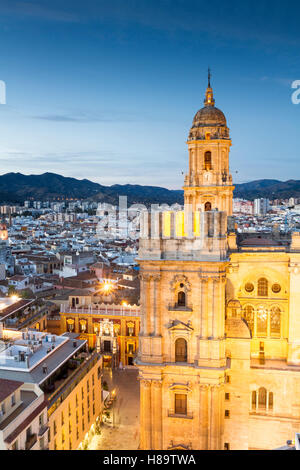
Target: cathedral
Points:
(219, 344)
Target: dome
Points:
(209, 116)
(209, 122)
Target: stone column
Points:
(145, 413)
(210, 306)
(204, 309)
(157, 318)
(147, 306)
(151, 306)
(143, 304)
(157, 415)
(217, 421)
(203, 417)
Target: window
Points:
(180, 404)
(13, 400)
(276, 288)
(249, 287)
(270, 401)
(261, 321)
(227, 396)
(226, 446)
(3, 409)
(181, 299)
(88, 386)
(180, 350)
(54, 428)
(275, 321)
(62, 418)
(93, 379)
(130, 331)
(227, 379)
(93, 408)
(83, 425)
(262, 400)
(253, 401)
(28, 432)
(207, 161)
(207, 206)
(227, 414)
(262, 287)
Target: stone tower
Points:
(208, 184)
(183, 260)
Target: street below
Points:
(123, 430)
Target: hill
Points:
(16, 188)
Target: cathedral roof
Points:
(209, 116)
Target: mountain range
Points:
(16, 188)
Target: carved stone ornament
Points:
(180, 279)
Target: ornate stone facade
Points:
(219, 346)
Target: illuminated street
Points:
(124, 434)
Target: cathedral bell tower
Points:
(208, 184)
(183, 259)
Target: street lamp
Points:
(113, 408)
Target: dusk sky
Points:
(107, 90)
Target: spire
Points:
(209, 97)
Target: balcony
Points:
(181, 308)
(30, 441)
(172, 414)
(23, 320)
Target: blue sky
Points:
(108, 90)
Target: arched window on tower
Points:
(207, 161)
(180, 350)
(181, 299)
(207, 206)
(262, 287)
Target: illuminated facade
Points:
(219, 354)
(110, 328)
(74, 408)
